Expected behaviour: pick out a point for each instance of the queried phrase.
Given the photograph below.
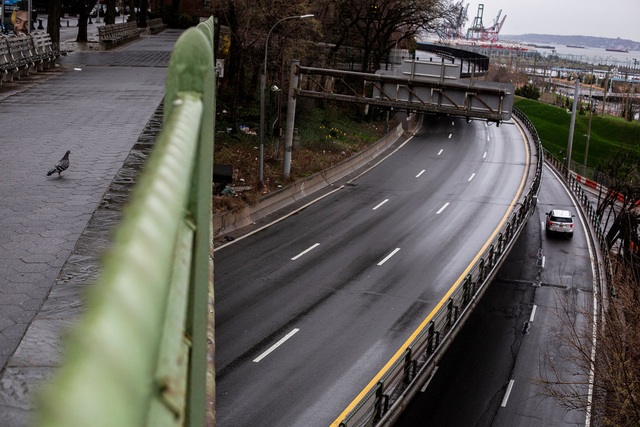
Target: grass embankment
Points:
(327, 137)
(610, 136)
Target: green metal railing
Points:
(138, 356)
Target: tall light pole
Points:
(263, 83)
(576, 94)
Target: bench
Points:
(21, 55)
(8, 68)
(114, 34)
(155, 25)
(44, 49)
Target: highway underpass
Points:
(310, 309)
(491, 374)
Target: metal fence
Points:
(138, 356)
(590, 212)
(383, 402)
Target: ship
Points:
(610, 49)
(541, 46)
(576, 46)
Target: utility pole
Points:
(604, 96)
(586, 147)
(291, 115)
(576, 93)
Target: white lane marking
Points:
(389, 256)
(533, 313)
(424, 387)
(484, 156)
(380, 204)
(473, 175)
(276, 345)
(542, 225)
(506, 396)
(440, 152)
(305, 251)
(421, 172)
(450, 135)
(488, 137)
(596, 309)
(294, 212)
(442, 208)
(544, 261)
(301, 208)
(453, 123)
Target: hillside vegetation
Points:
(610, 136)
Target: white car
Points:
(559, 221)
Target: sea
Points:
(593, 55)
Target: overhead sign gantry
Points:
(418, 85)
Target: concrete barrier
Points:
(229, 221)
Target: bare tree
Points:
(618, 208)
(83, 16)
(375, 26)
(595, 365)
(142, 13)
(247, 25)
(606, 346)
(53, 21)
(110, 17)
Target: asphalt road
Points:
(311, 308)
(517, 335)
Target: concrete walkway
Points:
(103, 106)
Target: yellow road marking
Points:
(444, 299)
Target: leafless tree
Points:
(604, 378)
(242, 44)
(376, 26)
(53, 22)
(110, 16)
(83, 16)
(618, 208)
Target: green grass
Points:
(609, 135)
(334, 129)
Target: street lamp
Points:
(263, 83)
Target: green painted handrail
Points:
(138, 356)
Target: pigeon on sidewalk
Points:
(61, 166)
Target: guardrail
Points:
(382, 404)
(138, 356)
(590, 212)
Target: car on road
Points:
(559, 221)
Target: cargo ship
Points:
(610, 49)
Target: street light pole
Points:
(263, 84)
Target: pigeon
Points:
(61, 166)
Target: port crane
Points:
(479, 32)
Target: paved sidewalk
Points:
(98, 104)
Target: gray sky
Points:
(601, 18)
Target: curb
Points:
(229, 221)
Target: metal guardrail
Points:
(383, 402)
(590, 213)
(138, 356)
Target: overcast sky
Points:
(600, 18)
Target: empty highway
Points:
(310, 309)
